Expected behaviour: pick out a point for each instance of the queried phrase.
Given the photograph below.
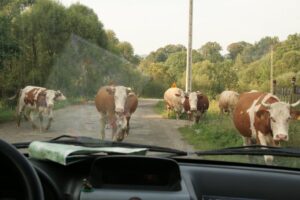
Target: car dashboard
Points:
(142, 178)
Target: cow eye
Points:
(273, 120)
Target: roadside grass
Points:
(160, 108)
(217, 131)
(8, 113)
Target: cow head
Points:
(120, 94)
(279, 115)
(52, 96)
(193, 100)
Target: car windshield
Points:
(187, 75)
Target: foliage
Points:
(37, 47)
(211, 52)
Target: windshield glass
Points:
(188, 75)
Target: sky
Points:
(151, 24)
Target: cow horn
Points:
(128, 89)
(267, 105)
(295, 104)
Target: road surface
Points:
(147, 127)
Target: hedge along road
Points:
(147, 127)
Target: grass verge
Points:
(216, 132)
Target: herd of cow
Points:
(115, 105)
(259, 117)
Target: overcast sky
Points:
(151, 24)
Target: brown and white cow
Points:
(110, 103)
(195, 105)
(263, 118)
(227, 101)
(174, 98)
(37, 99)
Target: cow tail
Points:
(18, 95)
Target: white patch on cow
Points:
(120, 97)
(193, 100)
(251, 112)
(252, 91)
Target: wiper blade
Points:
(252, 150)
(93, 142)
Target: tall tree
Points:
(211, 51)
(236, 48)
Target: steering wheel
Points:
(30, 180)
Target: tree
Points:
(83, 22)
(176, 64)
(211, 51)
(161, 54)
(236, 48)
(112, 41)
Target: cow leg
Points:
(102, 125)
(247, 141)
(34, 126)
(114, 131)
(50, 119)
(20, 110)
(264, 141)
(177, 116)
(41, 121)
(198, 116)
(26, 114)
(128, 127)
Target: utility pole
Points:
(271, 73)
(188, 80)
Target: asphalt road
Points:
(147, 127)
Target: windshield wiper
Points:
(252, 150)
(93, 142)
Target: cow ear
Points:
(128, 90)
(111, 90)
(57, 93)
(177, 95)
(295, 114)
(131, 94)
(262, 114)
(186, 95)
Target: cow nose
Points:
(50, 105)
(283, 137)
(119, 110)
(193, 108)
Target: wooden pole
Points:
(188, 81)
(271, 72)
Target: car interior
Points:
(141, 177)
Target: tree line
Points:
(245, 67)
